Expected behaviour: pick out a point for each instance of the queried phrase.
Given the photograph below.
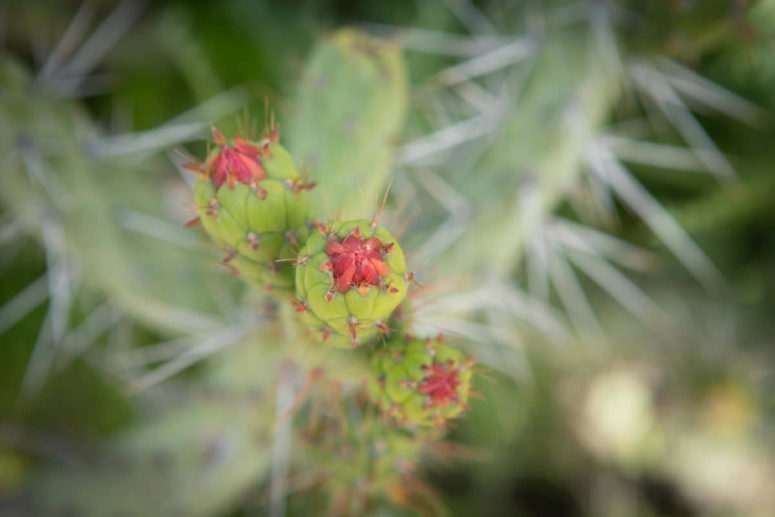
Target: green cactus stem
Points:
(351, 105)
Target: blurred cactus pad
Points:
(436, 258)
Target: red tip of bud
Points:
(355, 262)
(392, 290)
(193, 222)
(363, 289)
(325, 266)
(380, 267)
(441, 384)
(234, 163)
(335, 248)
(329, 296)
(357, 233)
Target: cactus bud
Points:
(248, 201)
(421, 382)
(351, 282)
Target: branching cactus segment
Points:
(420, 382)
(350, 277)
(251, 201)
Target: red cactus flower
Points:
(240, 162)
(356, 262)
(441, 384)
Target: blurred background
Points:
(585, 188)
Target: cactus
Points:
(351, 105)
(252, 202)
(362, 461)
(421, 382)
(349, 279)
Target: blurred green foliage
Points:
(650, 420)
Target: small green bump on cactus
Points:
(421, 383)
(266, 211)
(278, 164)
(346, 279)
(260, 248)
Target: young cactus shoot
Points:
(421, 382)
(350, 277)
(252, 202)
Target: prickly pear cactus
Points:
(351, 106)
(205, 450)
(252, 202)
(421, 382)
(349, 279)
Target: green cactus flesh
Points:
(351, 104)
(251, 202)
(349, 279)
(420, 382)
